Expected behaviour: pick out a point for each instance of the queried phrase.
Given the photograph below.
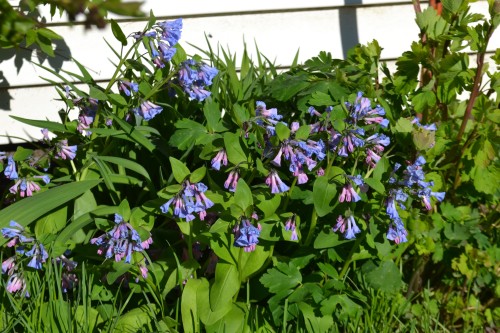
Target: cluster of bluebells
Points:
(301, 155)
(190, 200)
(24, 245)
(23, 186)
(233, 176)
(162, 39)
(412, 183)
(246, 235)
(147, 109)
(358, 134)
(291, 226)
(347, 226)
(348, 193)
(121, 242)
(194, 77)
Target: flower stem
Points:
(349, 258)
(312, 227)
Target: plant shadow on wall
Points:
(192, 193)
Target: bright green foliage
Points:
(249, 257)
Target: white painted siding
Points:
(278, 27)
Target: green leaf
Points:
(30, 209)
(188, 133)
(403, 125)
(303, 132)
(136, 319)
(282, 277)
(47, 33)
(198, 175)
(423, 139)
(83, 221)
(179, 169)
(323, 193)
(243, 195)
(118, 33)
(319, 98)
(127, 164)
(315, 324)
(52, 223)
(226, 285)
(189, 304)
(124, 210)
(375, 184)
(252, 262)
(22, 153)
(50, 125)
(97, 94)
(380, 168)
(282, 131)
(235, 153)
(385, 277)
(118, 99)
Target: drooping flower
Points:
(232, 180)
(128, 87)
(64, 151)
(347, 226)
(349, 194)
(246, 235)
(194, 77)
(261, 111)
(397, 233)
(24, 187)
(17, 283)
(275, 183)
(290, 226)
(38, 256)
(121, 241)
(191, 199)
(148, 110)
(16, 234)
(10, 170)
(221, 157)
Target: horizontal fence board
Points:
(42, 103)
(190, 8)
(278, 35)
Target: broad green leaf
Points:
(403, 125)
(385, 277)
(303, 132)
(124, 210)
(97, 94)
(52, 223)
(323, 193)
(30, 209)
(136, 319)
(319, 98)
(198, 175)
(380, 168)
(315, 324)
(189, 306)
(282, 277)
(375, 184)
(235, 153)
(226, 285)
(128, 164)
(118, 33)
(22, 153)
(48, 33)
(83, 221)
(118, 99)
(252, 262)
(134, 133)
(179, 169)
(243, 195)
(282, 131)
(233, 321)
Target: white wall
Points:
(280, 28)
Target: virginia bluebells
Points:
(220, 158)
(64, 151)
(148, 110)
(347, 226)
(246, 235)
(194, 77)
(275, 183)
(191, 199)
(121, 241)
(10, 170)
